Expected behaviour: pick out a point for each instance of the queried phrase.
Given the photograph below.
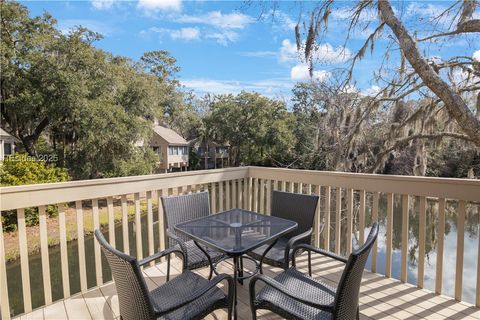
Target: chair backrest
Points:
(348, 291)
(296, 207)
(182, 208)
(133, 296)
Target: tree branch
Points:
(457, 108)
(404, 141)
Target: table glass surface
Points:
(236, 231)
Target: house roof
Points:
(169, 135)
(4, 133)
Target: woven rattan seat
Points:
(295, 281)
(292, 206)
(187, 296)
(183, 208)
(197, 258)
(167, 296)
(294, 295)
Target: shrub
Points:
(21, 169)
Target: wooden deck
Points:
(381, 298)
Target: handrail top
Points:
(104, 181)
(376, 176)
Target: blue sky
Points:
(223, 47)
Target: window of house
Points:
(175, 150)
(170, 150)
(7, 148)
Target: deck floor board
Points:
(380, 297)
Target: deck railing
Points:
(352, 202)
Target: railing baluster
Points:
(47, 285)
(161, 221)
(326, 229)
(96, 245)
(228, 195)
(404, 263)
(361, 218)
(262, 195)
(291, 187)
(349, 220)
(234, 194)
(421, 241)
(376, 198)
(300, 187)
(284, 185)
(138, 226)
(22, 238)
(318, 218)
(245, 193)
(81, 246)
(269, 196)
(151, 249)
(220, 196)
(255, 194)
(460, 248)
(477, 300)
(440, 245)
(214, 197)
(126, 242)
(338, 219)
(4, 301)
(249, 194)
(63, 250)
(111, 222)
(389, 225)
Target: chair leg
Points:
(211, 272)
(254, 314)
(358, 313)
(309, 263)
(168, 268)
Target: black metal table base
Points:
(238, 274)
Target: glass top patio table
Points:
(236, 231)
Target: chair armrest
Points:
(280, 287)
(161, 254)
(180, 242)
(201, 291)
(291, 243)
(308, 247)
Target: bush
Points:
(21, 169)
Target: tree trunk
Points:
(457, 108)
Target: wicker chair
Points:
(294, 295)
(188, 296)
(183, 208)
(292, 206)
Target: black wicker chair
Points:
(183, 208)
(294, 295)
(292, 206)
(187, 296)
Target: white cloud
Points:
(300, 72)
(159, 5)
(476, 55)
(367, 15)
(372, 91)
(324, 53)
(223, 37)
(219, 20)
(102, 4)
(186, 34)
(288, 52)
(258, 54)
(267, 87)
(67, 25)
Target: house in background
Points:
(171, 148)
(212, 154)
(7, 144)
